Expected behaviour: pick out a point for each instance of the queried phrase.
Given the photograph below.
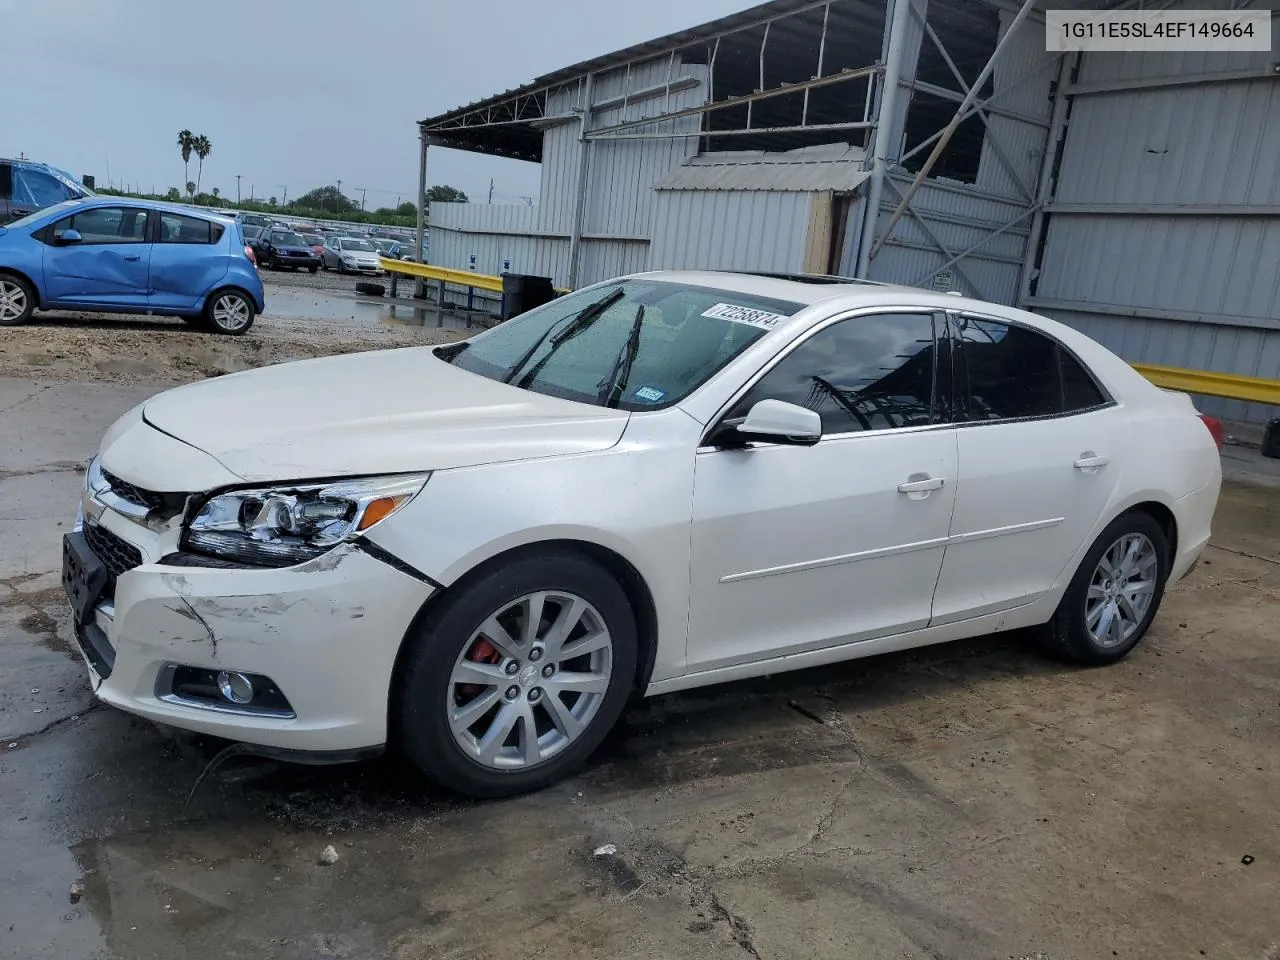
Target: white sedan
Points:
(479, 551)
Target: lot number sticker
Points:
(754, 318)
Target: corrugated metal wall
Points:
(618, 214)
(1196, 291)
(960, 216)
(726, 230)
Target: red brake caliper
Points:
(482, 651)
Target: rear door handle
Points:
(134, 258)
(1091, 461)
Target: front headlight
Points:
(289, 524)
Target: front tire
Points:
(229, 312)
(17, 300)
(512, 681)
(1114, 595)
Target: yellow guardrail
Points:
(462, 278)
(1230, 386)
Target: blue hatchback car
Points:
(115, 255)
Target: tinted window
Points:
(107, 225)
(640, 344)
(1015, 372)
(1079, 390)
(175, 228)
(864, 373)
(31, 188)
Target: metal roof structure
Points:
(837, 167)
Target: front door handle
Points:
(920, 485)
(1091, 461)
(134, 258)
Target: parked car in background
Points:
(703, 477)
(278, 249)
(27, 187)
(127, 256)
(392, 249)
(350, 255)
(254, 220)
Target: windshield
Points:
(383, 245)
(363, 245)
(633, 344)
(69, 181)
(288, 240)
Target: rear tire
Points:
(17, 300)
(1114, 594)
(577, 604)
(312, 270)
(229, 312)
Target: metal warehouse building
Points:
(1135, 196)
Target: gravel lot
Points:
(165, 351)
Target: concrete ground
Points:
(969, 801)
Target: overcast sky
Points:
(292, 93)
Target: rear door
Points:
(1041, 450)
(187, 261)
(109, 264)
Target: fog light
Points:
(236, 687)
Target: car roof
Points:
(837, 293)
(109, 201)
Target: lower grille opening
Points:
(200, 687)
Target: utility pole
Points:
(339, 188)
(284, 194)
(362, 190)
(491, 190)
(237, 189)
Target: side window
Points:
(865, 373)
(1079, 390)
(39, 190)
(107, 225)
(6, 181)
(175, 228)
(1014, 373)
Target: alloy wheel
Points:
(231, 312)
(13, 301)
(530, 680)
(1121, 590)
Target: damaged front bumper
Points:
(326, 633)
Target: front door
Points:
(1041, 452)
(799, 548)
(108, 265)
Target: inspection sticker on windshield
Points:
(650, 394)
(747, 315)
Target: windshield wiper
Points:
(615, 385)
(580, 322)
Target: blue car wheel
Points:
(17, 300)
(230, 312)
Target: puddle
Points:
(307, 304)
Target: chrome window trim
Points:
(932, 311)
(958, 344)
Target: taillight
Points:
(248, 252)
(1215, 428)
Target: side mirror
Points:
(69, 236)
(771, 421)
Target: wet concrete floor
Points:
(969, 801)
(322, 304)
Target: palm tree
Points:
(203, 148)
(191, 189)
(186, 143)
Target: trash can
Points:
(521, 293)
(1271, 440)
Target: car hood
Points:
(359, 254)
(386, 411)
